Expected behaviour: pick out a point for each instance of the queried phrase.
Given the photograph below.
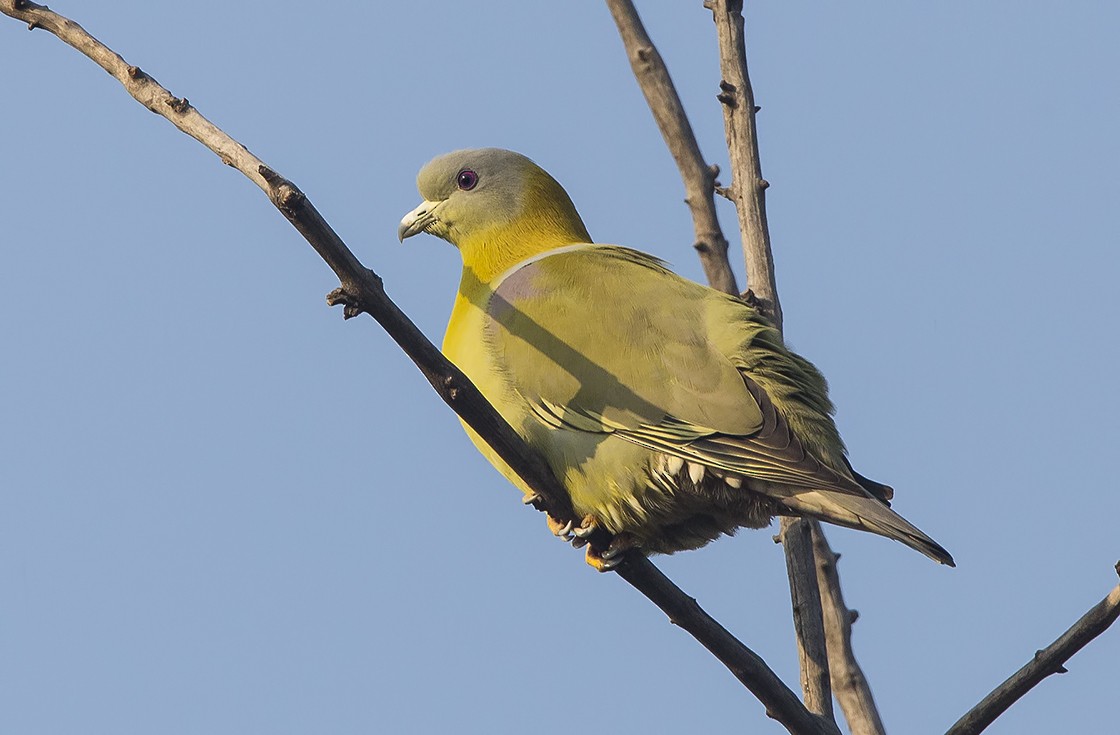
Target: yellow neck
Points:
(547, 220)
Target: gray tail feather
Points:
(866, 514)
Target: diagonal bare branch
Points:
(780, 701)
(1048, 661)
(699, 178)
(363, 284)
(361, 291)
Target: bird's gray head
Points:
(487, 195)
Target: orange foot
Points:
(602, 560)
(612, 556)
(568, 531)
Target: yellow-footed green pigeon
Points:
(671, 412)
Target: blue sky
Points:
(225, 510)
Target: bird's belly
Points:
(622, 485)
(630, 489)
(603, 474)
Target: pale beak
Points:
(417, 220)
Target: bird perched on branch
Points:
(672, 413)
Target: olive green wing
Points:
(608, 340)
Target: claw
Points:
(562, 531)
(586, 527)
(607, 565)
(579, 543)
(613, 552)
(531, 499)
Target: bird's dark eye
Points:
(467, 179)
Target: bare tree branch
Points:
(808, 615)
(363, 285)
(362, 291)
(1048, 661)
(748, 188)
(849, 685)
(699, 178)
(747, 191)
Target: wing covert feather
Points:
(582, 329)
(602, 361)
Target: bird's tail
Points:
(866, 514)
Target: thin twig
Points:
(1049, 660)
(747, 191)
(849, 685)
(361, 291)
(699, 178)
